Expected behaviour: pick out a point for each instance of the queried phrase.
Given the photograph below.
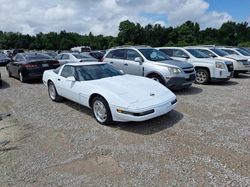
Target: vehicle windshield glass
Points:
(219, 52)
(245, 53)
(154, 55)
(80, 56)
(37, 57)
(2, 55)
(207, 52)
(198, 54)
(94, 72)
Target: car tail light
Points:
(29, 65)
(55, 62)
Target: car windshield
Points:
(94, 72)
(207, 52)
(80, 56)
(198, 54)
(36, 56)
(154, 55)
(243, 52)
(219, 52)
(231, 52)
(2, 55)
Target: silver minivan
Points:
(149, 62)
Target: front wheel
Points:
(53, 93)
(202, 76)
(156, 78)
(101, 111)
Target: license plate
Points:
(45, 65)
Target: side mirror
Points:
(71, 79)
(138, 59)
(186, 57)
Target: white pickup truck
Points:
(207, 69)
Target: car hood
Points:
(134, 89)
(236, 57)
(177, 63)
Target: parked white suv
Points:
(149, 62)
(237, 51)
(207, 69)
(240, 63)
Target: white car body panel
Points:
(128, 92)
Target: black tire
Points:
(236, 74)
(156, 77)
(53, 96)
(108, 120)
(202, 76)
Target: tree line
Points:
(230, 34)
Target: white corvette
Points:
(110, 94)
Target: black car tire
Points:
(53, 92)
(97, 102)
(202, 76)
(156, 77)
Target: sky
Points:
(104, 16)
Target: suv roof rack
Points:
(124, 46)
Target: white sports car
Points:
(110, 94)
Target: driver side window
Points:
(132, 54)
(179, 53)
(68, 71)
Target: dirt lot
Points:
(204, 142)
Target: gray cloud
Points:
(101, 16)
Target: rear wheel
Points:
(53, 93)
(101, 111)
(202, 76)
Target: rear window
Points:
(37, 57)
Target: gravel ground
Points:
(205, 141)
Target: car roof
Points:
(85, 63)
(132, 47)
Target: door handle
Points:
(111, 62)
(125, 64)
(59, 79)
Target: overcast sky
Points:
(104, 16)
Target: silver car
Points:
(64, 58)
(149, 62)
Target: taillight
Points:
(55, 62)
(29, 65)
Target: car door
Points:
(66, 88)
(130, 66)
(116, 58)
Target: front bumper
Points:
(221, 74)
(159, 110)
(176, 83)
